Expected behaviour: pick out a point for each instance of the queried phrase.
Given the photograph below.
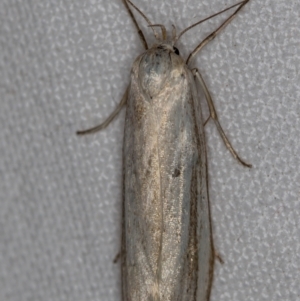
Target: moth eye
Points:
(176, 50)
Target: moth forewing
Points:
(167, 246)
(169, 253)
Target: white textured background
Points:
(64, 66)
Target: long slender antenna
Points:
(139, 11)
(144, 16)
(203, 20)
(140, 33)
(213, 34)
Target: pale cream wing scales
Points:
(163, 180)
(204, 230)
(179, 157)
(141, 194)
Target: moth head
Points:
(169, 46)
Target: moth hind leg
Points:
(218, 257)
(214, 116)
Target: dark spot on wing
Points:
(176, 173)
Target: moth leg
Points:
(215, 33)
(219, 257)
(109, 119)
(214, 116)
(206, 121)
(139, 31)
(117, 257)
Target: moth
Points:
(167, 245)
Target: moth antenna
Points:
(203, 20)
(144, 16)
